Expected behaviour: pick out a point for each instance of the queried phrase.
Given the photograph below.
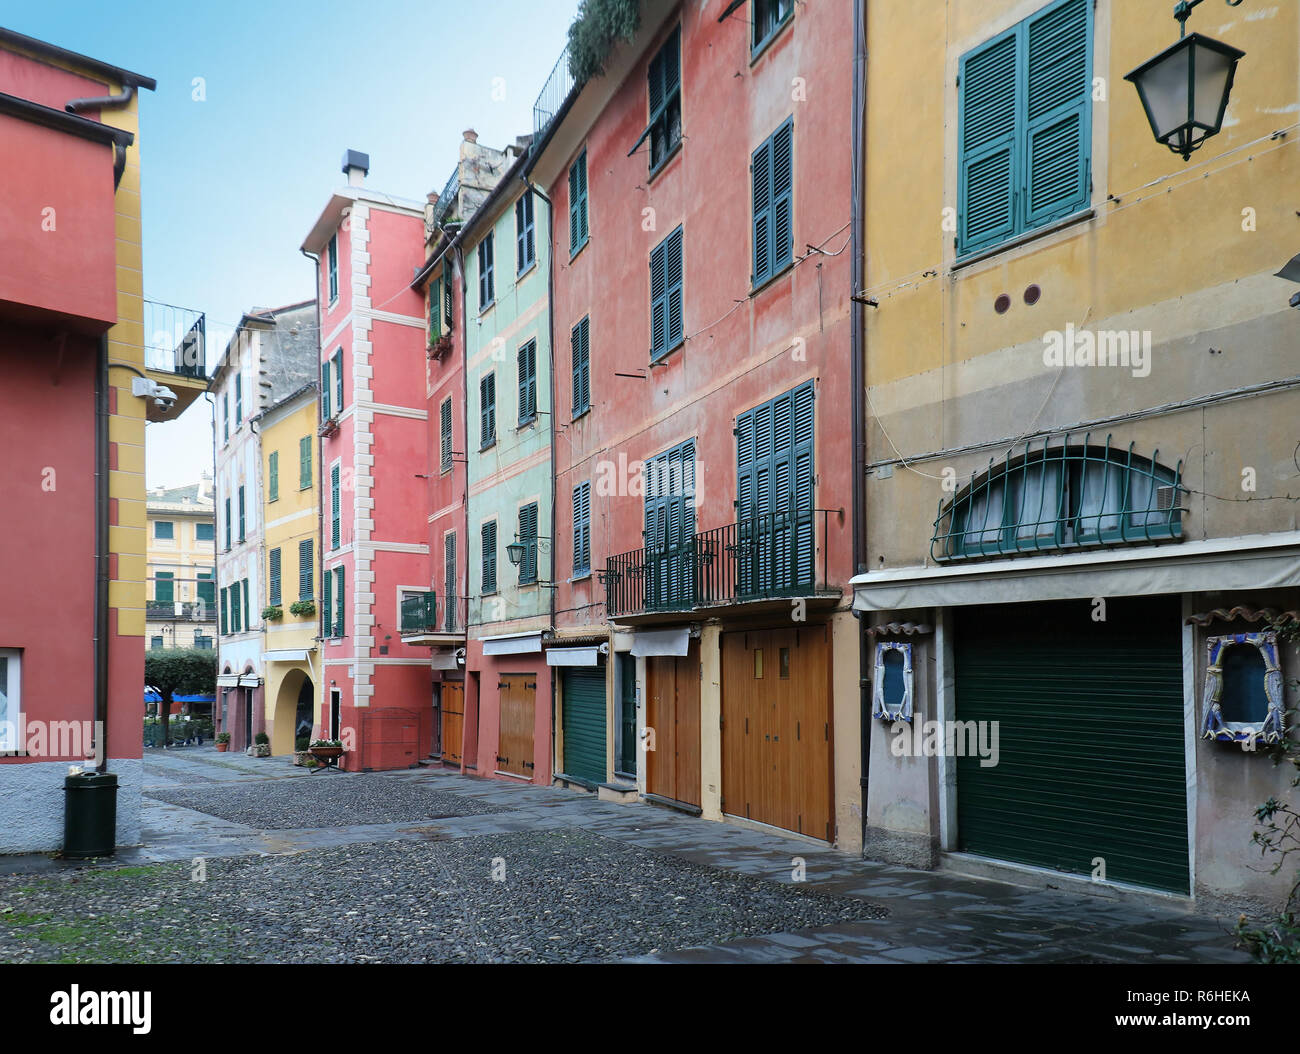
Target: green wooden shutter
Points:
(234, 607)
(761, 178)
(248, 623)
(1058, 101)
(582, 528)
(227, 524)
(528, 381)
(782, 223)
(273, 577)
(206, 590)
(583, 721)
(578, 229)
(580, 346)
(225, 608)
(450, 591)
(306, 570)
(334, 507)
(435, 308)
(304, 462)
(327, 604)
(338, 381)
(445, 433)
(487, 397)
(273, 476)
(988, 153)
(488, 539)
(243, 531)
(164, 587)
(1091, 757)
(325, 390)
(448, 295)
(528, 536)
(225, 417)
(340, 608)
(239, 398)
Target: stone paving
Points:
(931, 916)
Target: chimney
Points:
(470, 135)
(355, 166)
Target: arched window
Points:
(1243, 689)
(1060, 495)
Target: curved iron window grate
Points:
(1061, 495)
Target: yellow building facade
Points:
(182, 609)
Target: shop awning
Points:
(513, 644)
(662, 641)
(285, 655)
(446, 658)
(228, 680)
(249, 680)
(573, 656)
(1261, 561)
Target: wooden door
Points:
(776, 733)
(518, 692)
(673, 712)
(453, 721)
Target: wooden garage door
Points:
(453, 721)
(1091, 759)
(673, 712)
(515, 740)
(776, 728)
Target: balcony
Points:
(180, 611)
(428, 618)
(175, 354)
(554, 92)
(765, 558)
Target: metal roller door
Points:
(583, 721)
(1091, 760)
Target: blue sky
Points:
(231, 184)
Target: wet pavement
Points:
(931, 916)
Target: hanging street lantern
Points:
(1185, 88)
(515, 551)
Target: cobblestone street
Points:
(427, 866)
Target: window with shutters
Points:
(327, 602)
(528, 538)
(325, 410)
(239, 399)
(340, 607)
(235, 623)
(273, 476)
(304, 462)
(207, 591)
(580, 349)
(582, 529)
(664, 88)
(666, 326)
(1024, 127)
(486, 283)
(245, 593)
(242, 525)
(444, 441)
(333, 266)
(487, 405)
(164, 529)
(205, 532)
(578, 204)
(164, 587)
(334, 507)
(306, 569)
(273, 577)
(488, 535)
(225, 417)
(227, 525)
(448, 295)
(772, 176)
(449, 591)
(338, 381)
(774, 494)
(528, 382)
(670, 552)
(225, 611)
(770, 16)
(155, 642)
(525, 234)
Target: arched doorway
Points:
(295, 711)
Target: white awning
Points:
(573, 656)
(1261, 561)
(249, 680)
(447, 658)
(285, 655)
(228, 680)
(513, 643)
(662, 641)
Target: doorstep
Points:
(618, 791)
(968, 865)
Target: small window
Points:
(486, 286)
(155, 643)
(164, 529)
(488, 534)
(666, 327)
(444, 420)
(665, 102)
(528, 382)
(334, 268)
(205, 532)
(487, 400)
(582, 529)
(525, 234)
(892, 685)
(580, 349)
(578, 204)
(769, 17)
(1243, 690)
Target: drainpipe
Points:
(319, 481)
(108, 102)
(858, 381)
(216, 579)
(101, 554)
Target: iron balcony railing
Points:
(175, 340)
(554, 92)
(181, 610)
(431, 613)
(447, 198)
(777, 555)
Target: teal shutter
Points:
(582, 528)
(206, 590)
(782, 225)
(528, 536)
(445, 437)
(525, 233)
(306, 570)
(486, 284)
(670, 527)
(304, 462)
(225, 416)
(583, 722)
(227, 524)
(164, 587)
(234, 607)
(489, 542)
(450, 591)
(340, 609)
(580, 347)
(273, 577)
(487, 398)
(273, 474)
(1058, 97)
(334, 507)
(761, 178)
(435, 309)
(338, 381)
(578, 204)
(666, 295)
(239, 398)
(327, 604)
(989, 151)
(225, 606)
(448, 295)
(248, 623)
(325, 390)
(242, 526)
(528, 381)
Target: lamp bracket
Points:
(1183, 11)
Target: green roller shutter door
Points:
(1090, 735)
(584, 723)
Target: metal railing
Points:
(182, 610)
(1061, 495)
(781, 554)
(553, 93)
(175, 340)
(447, 198)
(431, 613)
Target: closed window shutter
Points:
(445, 427)
(658, 301)
(435, 309)
(273, 471)
(325, 390)
(673, 293)
(1058, 98)
(528, 536)
(306, 570)
(234, 607)
(487, 390)
(340, 623)
(248, 623)
(989, 163)
(327, 605)
(273, 576)
(489, 543)
(782, 195)
(528, 381)
(225, 603)
(334, 507)
(761, 174)
(338, 381)
(578, 204)
(304, 462)
(449, 582)
(580, 347)
(242, 526)
(582, 527)
(227, 523)
(448, 295)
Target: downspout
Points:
(101, 556)
(108, 102)
(318, 480)
(550, 372)
(857, 384)
(216, 579)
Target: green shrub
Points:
(261, 739)
(599, 25)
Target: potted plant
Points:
(223, 741)
(301, 755)
(326, 751)
(439, 347)
(261, 745)
(303, 609)
(272, 612)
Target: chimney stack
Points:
(355, 166)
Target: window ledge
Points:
(487, 446)
(526, 423)
(1023, 239)
(663, 356)
(574, 253)
(658, 170)
(531, 267)
(785, 269)
(585, 576)
(757, 51)
(582, 413)
(487, 307)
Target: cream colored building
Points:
(181, 612)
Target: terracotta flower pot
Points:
(223, 747)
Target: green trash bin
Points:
(90, 814)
